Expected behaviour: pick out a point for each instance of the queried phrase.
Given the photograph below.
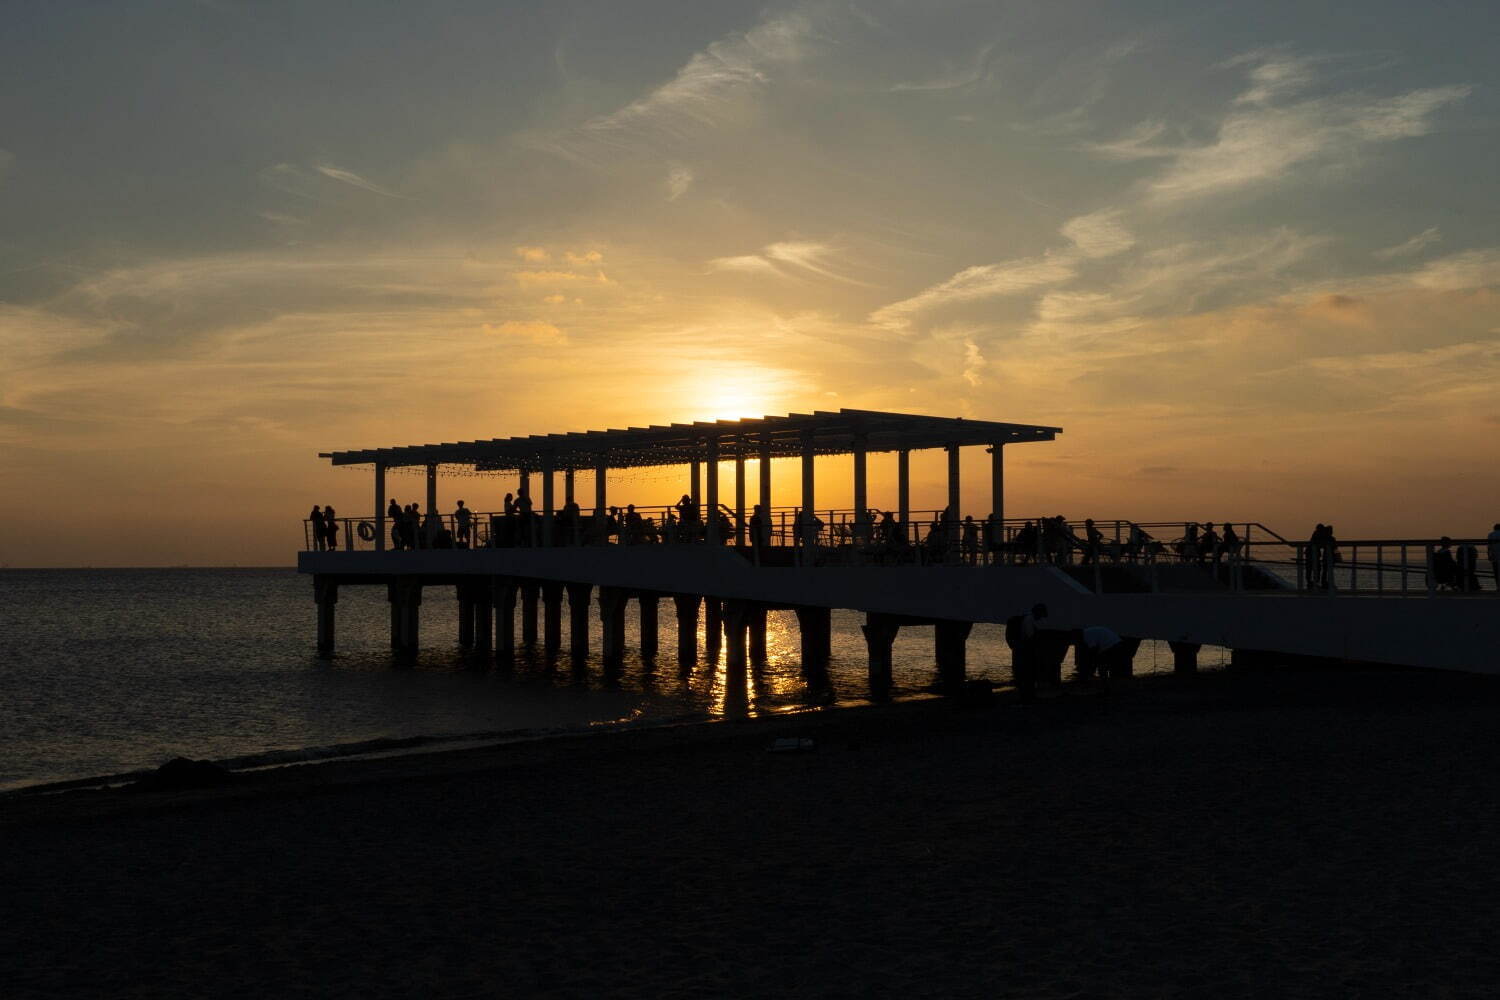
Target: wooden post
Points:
(765, 476)
(997, 487)
(903, 492)
(808, 541)
(379, 506)
(739, 492)
(711, 511)
(549, 501)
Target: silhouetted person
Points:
(1230, 544)
(971, 540)
(1098, 650)
(1444, 566)
(1093, 542)
(331, 526)
(1022, 635)
(1189, 551)
(1208, 545)
(760, 529)
(1494, 553)
(319, 538)
(1467, 557)
(1314, 557)
(462, 518)
(393, 514)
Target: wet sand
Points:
(1228, 835)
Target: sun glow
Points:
(741, 393)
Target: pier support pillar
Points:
(612, 602)
(552, 595)
(1122, 662)
(880, 633)
(529, 592)
(483, 618)
(687, 629)
(1184, 656)
(465, 616)
(649, 631)
(758, 634)
(950, 645)
(406, 612)
(816, 627)
(326, 593)
(503, 597)
(736, 616)
(713, 626)
(578, 620)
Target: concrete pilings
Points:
(406, 614)
(465, 616)
(816, 628)
(529, 594)
(649, 629)
(736, 618)
(326, 594)
(950, 649)
(552, 595)
(503, 597)
(758, 635)
(687, 629)
(880, 634)
(1184, 656)
(483, 616)
(578, 621)
(713, 626)
(612, 603)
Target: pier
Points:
(725, 561)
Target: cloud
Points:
(533, 255)
(708, 92)
(985, 281)
(1263, 136)
(1098, 234)
(974, 363)
(679, 179)
(1411, 247)
(536, 331)
(350, 177)
(555, 300)
(561, 278)
(587, 257)
(1470, 269)
(954, 78)
(790, 259)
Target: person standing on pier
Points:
(315, 519)
(330, 527)
(393, 514)
(461, 521)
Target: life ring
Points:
(366, 531)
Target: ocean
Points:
(108, 672)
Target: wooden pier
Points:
(726, 566)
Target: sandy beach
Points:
(1236, 834)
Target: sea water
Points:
(105, 672)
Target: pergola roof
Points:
(827, 432)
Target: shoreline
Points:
(1232, 834)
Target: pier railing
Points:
(1104, 555)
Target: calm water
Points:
(109, 671)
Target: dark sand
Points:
(1261, 835)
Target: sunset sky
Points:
(1247, 255)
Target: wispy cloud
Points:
(1263, 135)
(291, 179)
(1099, 234)
(973, 284)
(350, 177)
(679, 179)
(1411, 247)
(954, 77)
(790, 259)
(536, 331)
